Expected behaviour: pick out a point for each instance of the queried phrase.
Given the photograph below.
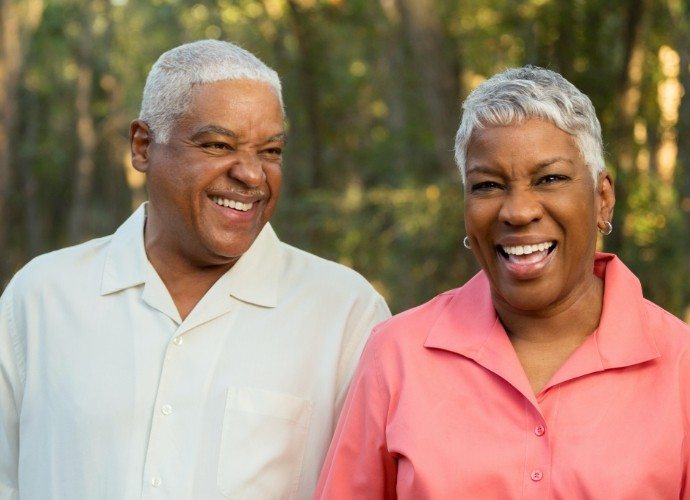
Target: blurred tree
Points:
(372, 91)
(18, 20)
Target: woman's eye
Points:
(485, 186)
(552, 178)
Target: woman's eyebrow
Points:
(481, 169)
(550, 161)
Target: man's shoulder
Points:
(317, 272)
(63, 266)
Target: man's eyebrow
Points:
(217, 129)
(213, 129)
(282, 137)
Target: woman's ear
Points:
(607, 196)
(140, 138)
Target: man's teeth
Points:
(527, 249)
(237, 205)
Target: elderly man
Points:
(191, 354)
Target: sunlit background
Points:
(373, 91)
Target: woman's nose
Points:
(520, 207)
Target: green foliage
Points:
(367, 181)
(407, 240)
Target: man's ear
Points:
(607, 196)
(140, 139)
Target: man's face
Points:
(215, 184)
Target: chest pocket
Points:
(262, 444)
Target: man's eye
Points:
(273, 152)
(216, 145)
(484, 186)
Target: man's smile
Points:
(237, 205)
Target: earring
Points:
(608, 227)
(466, 242)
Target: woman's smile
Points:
(526, 261)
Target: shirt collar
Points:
(126, 263)
(469, 326)
(624, 336)
(254, 278)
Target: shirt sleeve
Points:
(10, 384)
(358, 464)
(685, 447)
(376, 312)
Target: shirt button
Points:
(166, 409)
(536, 475)
(156, 482)
(539, 430)
(178, 340)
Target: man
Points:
(191, 354)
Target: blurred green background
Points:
(373, 91)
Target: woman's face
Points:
(531, 213)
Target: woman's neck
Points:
(544, 340)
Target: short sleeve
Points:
(10, 396)
(358, 464)
(684, 377)
(375, 312)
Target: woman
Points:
(547, 375)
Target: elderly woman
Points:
(547, 375)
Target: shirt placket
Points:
(159, 479)
(537, 470)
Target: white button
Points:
(166, 409)
(178, 340)
(156, 482)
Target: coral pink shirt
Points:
(441, 408)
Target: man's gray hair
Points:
(519, 94)
(168, 89)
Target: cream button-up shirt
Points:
(106, 394)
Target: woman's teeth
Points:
(527, 249)
(237, 205)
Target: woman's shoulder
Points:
(670, 333)
(410, 328)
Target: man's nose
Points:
(247, 168)
(520, 207)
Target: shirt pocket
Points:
(262, 444)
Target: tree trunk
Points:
(682, 177)
(391, 62)
(565, 44)
(86, 133)
(33, 220)
(628, 104)
(18, 20)
(309, 85)
(118, 198)
(438, 74)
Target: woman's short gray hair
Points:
(168, 89)
(518, 94)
